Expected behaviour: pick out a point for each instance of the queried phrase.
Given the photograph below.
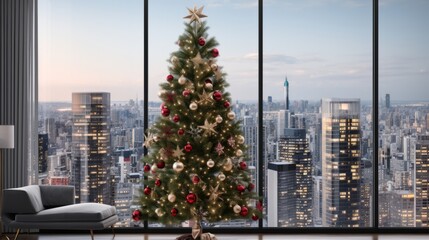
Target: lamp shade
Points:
(7, 136)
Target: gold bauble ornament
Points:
(237, 208)
(240, 139)
(171, 197)
(231, 115)
(239, 153)
(159, 212)
(219, 119)
(182, 80)
(228, 165)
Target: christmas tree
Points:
(196, 168)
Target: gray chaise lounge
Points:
(53, 207)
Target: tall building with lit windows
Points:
(294, 148)
(91, 147)
(341, 162)
(421, 181)
(281, 194)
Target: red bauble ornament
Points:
(165, 111)
(255, 217)
(201, 41)
(161, 164)
(180, 131)
(170, 78)
(191, 198)
(244, 211)
(158, 182)
(259, 206)
(226, 104)
(176, 118)
(243, 165)
(186, 93)
(147, 190)
(136, 215)
(215, 52)
(217, 96)
(188, 147)
(146, 168)
(195, 179)
(251, 186)
(174, 212)
(240, 188)
(208, 80)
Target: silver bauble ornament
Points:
(154, 168)
(237, 208)
(219, 119)
(231, 115)
(193, 106)
(240, 139)
(228, 165)
(182, 80)
(210, 163)
(178, 166)
(171, 197)
(239, 153)
(221, 176)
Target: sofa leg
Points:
(92, 234)
(113, 231)
(16, 234)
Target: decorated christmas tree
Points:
(196, 167)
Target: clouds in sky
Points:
(323, 46)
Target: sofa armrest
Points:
(56, 196)
(23, 200)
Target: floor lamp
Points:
(7, 140)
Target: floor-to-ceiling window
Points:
(317, 113)
(90, 99)
(403, 165)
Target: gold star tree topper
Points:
(196, 14)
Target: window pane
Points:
(317, 113)
(235, 27)
(90, 92)
(403, 114)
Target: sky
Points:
(324, 47)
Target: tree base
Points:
(204, 236)
(187, 237)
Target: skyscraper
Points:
(91, 147)
(387, 101)
(421, 181)
(341, 162)
(286, 93)
(281, 206)
(294, 148)
(43, 152)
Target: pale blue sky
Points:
(324, 46)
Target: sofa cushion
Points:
(22, 200)
(56, 196)
(88, 212)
